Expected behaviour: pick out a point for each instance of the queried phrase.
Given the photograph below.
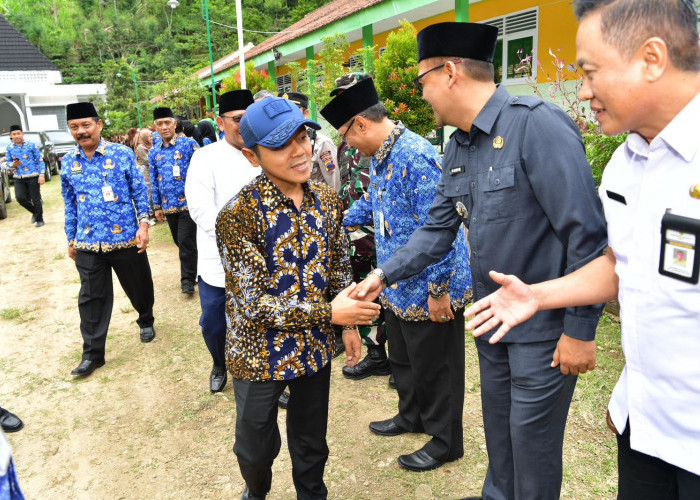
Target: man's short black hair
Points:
(375, 113)
(626, 24)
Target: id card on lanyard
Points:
(679, 241)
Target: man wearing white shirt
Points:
(641, 65)
(217, 172)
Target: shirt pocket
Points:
(500, 193)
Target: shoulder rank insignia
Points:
(695, 191)
(498, 142)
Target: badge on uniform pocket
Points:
(679, 239)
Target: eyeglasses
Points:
(417, 80)
(235, 119)
(348, 129)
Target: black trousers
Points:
(184, 232)
(28, 195)
(258, 437)
(427, 360)
(97, 295)
(643, 477)
(525, 403)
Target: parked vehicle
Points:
(63, 143)
(45, 145)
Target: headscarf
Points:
(204, 130)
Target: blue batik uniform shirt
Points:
(403, 177)
(29, 154)
(168, 185)
(91, 222)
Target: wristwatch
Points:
(379, 273)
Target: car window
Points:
(59, 136)
(4, 142)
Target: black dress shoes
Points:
(387, 428)
(419, 461)
(375, 363)
(392, 382)
(9, 421)
(247, 495)
(187, 288)
(147, 334)
(217, 378)
(86, 367)
(40, 223)
(283, 401)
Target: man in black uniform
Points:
(515, 173)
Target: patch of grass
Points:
(59, 256)
(160, 233)
(125, 309)
(10, 313)
(18, 315)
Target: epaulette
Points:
(525, 100)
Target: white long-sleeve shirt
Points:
(659, 388)
(216, 173)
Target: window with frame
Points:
(284, 83)
(355, 63)
(517, 39)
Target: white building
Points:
(31, 93)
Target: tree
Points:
(323, 70)
(180, 90)
(255, 80)
(395, 71)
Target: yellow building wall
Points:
(556, 29)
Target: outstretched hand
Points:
(508, 306)
(350, 312)
(368, 289)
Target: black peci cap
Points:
(159, 113)
(468, 40)
(79, 110)
(235, 100)
(353, 100)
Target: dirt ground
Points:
(145, 426)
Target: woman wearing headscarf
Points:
(204, 133)
(142, 145)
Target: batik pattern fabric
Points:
(404, 174)
(29, 155)
(168, 164)
(91, 222)
(283, 266)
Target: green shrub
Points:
(599, 150)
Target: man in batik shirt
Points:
(426, 342)
(106, 208)
(28, 168)
(284, 252)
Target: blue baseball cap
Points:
(272, 122)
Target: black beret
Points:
(15, 127)
(468, 40)
(235, 100)
(80, 110)
(297, 98)
(352, 101)
(159, 113)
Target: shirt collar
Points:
(101, 148)
(171, 142)
(273, 197)
(678, 135)
(488, 115)
(387, 146)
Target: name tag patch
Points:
(457, 170)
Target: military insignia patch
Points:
(498, 142)
(327, 159)
(695, 191)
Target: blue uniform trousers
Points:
(213, 320)
(525, 404)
